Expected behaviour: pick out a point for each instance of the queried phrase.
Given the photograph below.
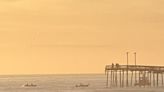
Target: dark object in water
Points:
(30, 85)
(82, 85)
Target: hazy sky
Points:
(78, 36)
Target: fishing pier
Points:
(134, 75)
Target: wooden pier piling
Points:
(162, 78)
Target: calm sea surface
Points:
(50, 83)
(62, 83)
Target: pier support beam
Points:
(150, 78)
(153, 79)
(157, 79)
(116, 78)
(120, 79)
(111, 80)
(127, 76)
(107, 72)
(123, 78)
(162, 78)
(139, 78)
(132, 79)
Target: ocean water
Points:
(63, 83)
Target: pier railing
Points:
(135, 68)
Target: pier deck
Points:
(136, 68)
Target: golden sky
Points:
(78, 36)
